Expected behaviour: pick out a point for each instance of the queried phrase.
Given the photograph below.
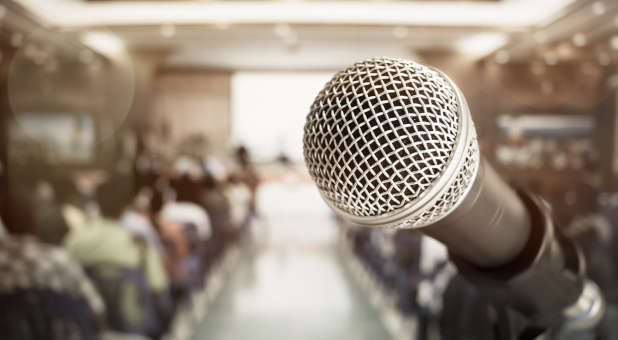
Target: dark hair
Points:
(114, 196)
(20, 216)
(65, 191)
(242, 155)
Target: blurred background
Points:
(151, 174)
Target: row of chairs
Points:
(133, 308)
(435, 296)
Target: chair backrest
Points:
(466, 313)
(130, 305)
(33, 314)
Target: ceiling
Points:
(486, 14)
(316, 34)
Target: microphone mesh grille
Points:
(449, 197)
(379, 134)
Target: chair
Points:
(130, 305)
(34, 314)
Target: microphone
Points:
(391, 143)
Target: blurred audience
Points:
(135, 249)
(127, 270)
(189, 215)
(136, 219)
(247, 174)
(44, 294)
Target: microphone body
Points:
(489, 227)
(391, 143)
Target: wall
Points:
(7, 52)
(189, 102)
(270, 108)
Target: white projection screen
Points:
(269, 110)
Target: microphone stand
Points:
(544, 288)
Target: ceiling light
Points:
(579, 39)
(400, 32)
(565, 51)
(598, 8)
(502, 57)
(550, 58)
(540, 37)
(283, 30)
(222, 25)
(481, 44)
(168, 30)
(107, 44)
(291, 43)
(604, 59)
(614, 42)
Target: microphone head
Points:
(390, 142)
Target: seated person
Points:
(247, 174)
(239, 197)
(176, 257)
(185, 230)
(41, 282)
(112, 256)
(187, 213)
(49, 224)
(215, 201)
(137, 221)
(217, 205)
(187, 176)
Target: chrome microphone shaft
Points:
(489, 227)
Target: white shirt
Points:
(430, 292)
(186, 212)
(238, 196)
(186, 165)
(433, 253)
(139, 225)
(215, 167)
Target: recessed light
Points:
(598, 8)
(502, 57)
(400, 32)
(604, 59)
(613, 42)
(540, 37)
(168, 30)
(579, 39)
(283, 30)
(550, 59)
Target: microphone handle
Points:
(505, 242)
(490, 226)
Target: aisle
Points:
(293, 287)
